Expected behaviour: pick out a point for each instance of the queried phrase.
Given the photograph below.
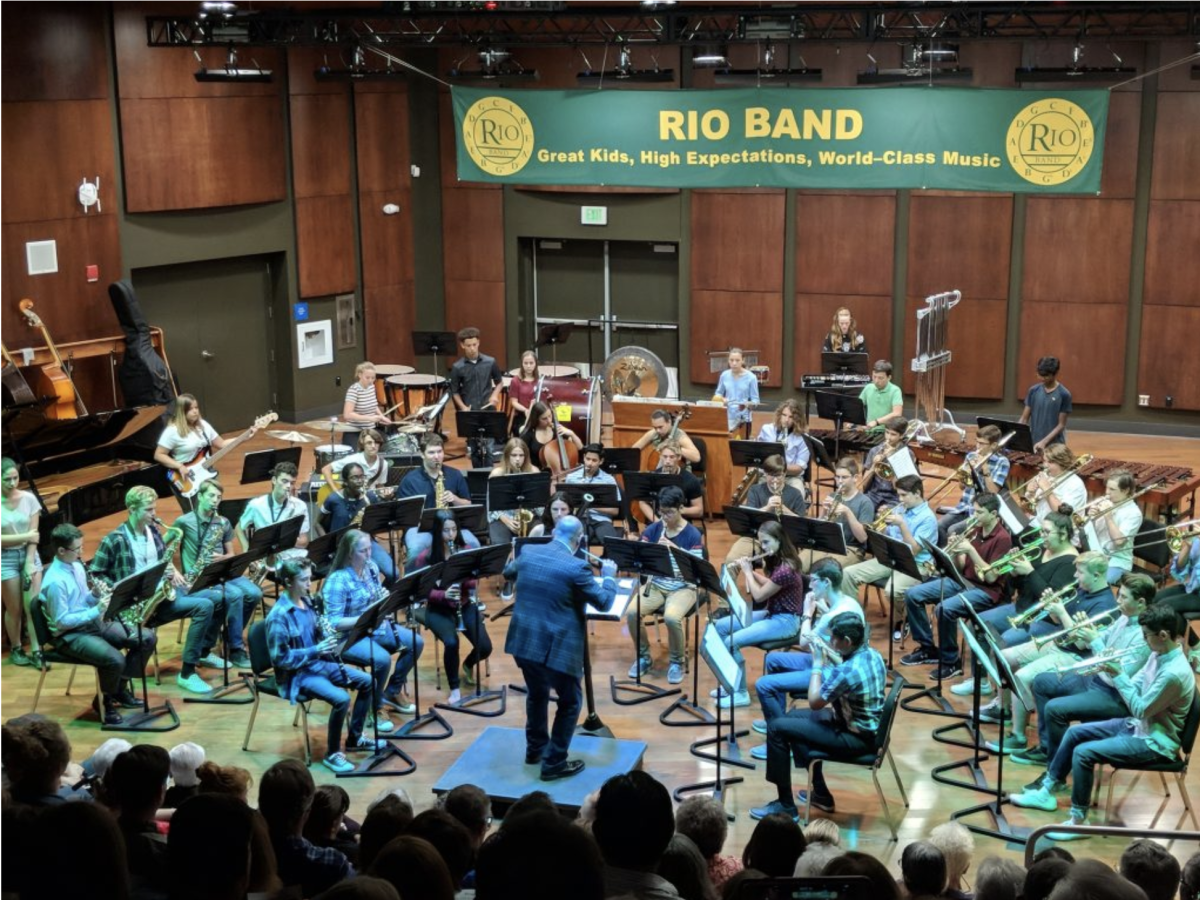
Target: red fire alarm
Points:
(93, 274)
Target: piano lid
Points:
(43, 440)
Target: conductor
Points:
(546, 636)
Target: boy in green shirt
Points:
(882, 398)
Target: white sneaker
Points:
(675, 673)
(640, 667)
(213, 661)
(194, 683)
(718, 693)
(455, 696)
(741, 698)
(967, 688)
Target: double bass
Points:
(54, 380)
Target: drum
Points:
(382, 372)
(327, 453)
(414, 390)
(575, 404)
(552, 371)
(403, 442)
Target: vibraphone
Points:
(847, 441)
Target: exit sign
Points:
(593, 215)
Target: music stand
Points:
(699, 572)
(840, 362)
(752, 454)
(645, 486)
(393, 516)
(603, 496)
(818, 452)
(1013, 515)
(554, 335)
(257, 466)
(644, 559)
(841, 409)
(619, 460)
(405, 594)
(436, 343)
(815, 534)
(476, 564)
(1022, 439)
(125, 593)
(479, 425)
(276, 538)
(899, 557)
(321, 550)
(592, 724)
(744, 521)
(220, 572)
(524, 490)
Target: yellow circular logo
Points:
(498, 135)
(1050, 141)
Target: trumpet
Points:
(1041, 609)
(1007, 562)
(880, 523)
(881, 466)
(1096, 664)
(1089, 513)
(835, 500)
(963, 536)
(1081, 622)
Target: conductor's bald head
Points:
(569, 530)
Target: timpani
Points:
(414, 390)
(551, 371)
(384, 371)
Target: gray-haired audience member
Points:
(958, 847)
(702, 818)
(815, 858)
(999, 879)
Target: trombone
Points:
(1088, 514)
(1096, 664)
(967, 471)
(1175, 536)
(1041, 609)
(1029, 500)
(881, 466)
(1081, 623)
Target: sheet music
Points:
(626, 587)
(903, 463)
(737, 604)
(714, 649)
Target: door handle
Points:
(204, 354)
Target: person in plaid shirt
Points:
(845, 703)
(990, 475)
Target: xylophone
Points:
(850, 441)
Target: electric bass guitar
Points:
(201, 467)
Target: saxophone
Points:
(135, 616)
(210, 546)
(439, 491)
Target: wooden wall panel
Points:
(1119, 175)
(200, 153)
(1090, 343)
(389, 319)
(1172, 239)
(66, 33)
(976, 341)
(302, 64)
(479, 304)
(1177, 78)
(814, 314)
(991, 64)
(383, 152)
(320, 144)
(747, 319)
(1168, 358)
(325, 251)
(1176, 136)
(72, 308)
(473, 233)
(48, 148)
(1077, 250)
(387, 241)
(959, 243)
(844, 243)
(737, 240)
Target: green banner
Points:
(963, 139)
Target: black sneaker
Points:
(1034, 756)
(819, 801)
(948, 670)
(919, 657)
(126, 700)
(565, 770)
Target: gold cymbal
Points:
(328, 425)
(293, 437)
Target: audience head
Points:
(330, 803)
(398, 793)
(735, 882)
(96, 766)
(774, 846)
(415, 869)
(35, 752)
(823, 831)
(683, 865)
(1090, 879)
(76, 850)
(1054, 852)
(208, 847)
(137, 781)
(1189, 881)
(450, 837)
(999, 879)
(470, 806)
(539, 855)
(533, 802)
(923, 868)
(702, 818)
(232, 780)
(361, 887)
(634, 821)
(185, 760)
(386, 820)
(285, 795)
(1043, 875)
(1152, 868)
(816, 856)
(957, 846)
(883, 886)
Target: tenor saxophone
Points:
(139, 613)
(210, 546)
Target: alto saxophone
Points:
(139, 613)
(212, 543)
(439, 491)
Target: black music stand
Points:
(476, 564)
(841, 362)
(979, 638)
(841, 410)
(469, 518)
(899, 557)
(409, 590)
(752, 454)
(701, 573)
(554, 335)
(815, 534)
(257, 466)
(393, 516)
(481, 425)
(321, 550)
(365, 626)
(220, 572)
(944, 569)
(644, 559)
(525, 490)
(592, 724)
(603, 496)
(819, 453)
(1014, 517)
(126, 592)
(437, 343)
(619, 460)
(1022, 440)
(646, 486)
(744, 521)
(273, 539)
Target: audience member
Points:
(1043, 875)
(76, 851)
(96, 765)
(35, 753)
(734, 884)
(634, 823)
(702, 818)
(957, 846)
(386, 820)
(1090, 879)
(883, 886)
(1189, 881)
(539, 855)
(1152, 868)
(774, 846)
(399, 793)
(209, 848)
(451, 840)
(684, 866)
(232, 780)
(284, 799)
(999, 879)
(815, 858)
(822, 831)
(134, 788)
(361, 887)
(923, 870)
(414, 868)
(186, 758)
(534, 801)
(326, 824)
(1054, 851)
(470, 805)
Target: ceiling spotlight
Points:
(231, 71)
(708, 56)
(624, 71)
(495, 64)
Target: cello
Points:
(561, 456)
(54, 380)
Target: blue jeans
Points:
(383, 560)
(326, 680)
(197, 607)
(786, 672)
(417, 541)
(795, 734)
(376, 654)
(1085, 745)
(764, 628)
(1076, 698)
(949, 611)
(241, 595)
(540, 680)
